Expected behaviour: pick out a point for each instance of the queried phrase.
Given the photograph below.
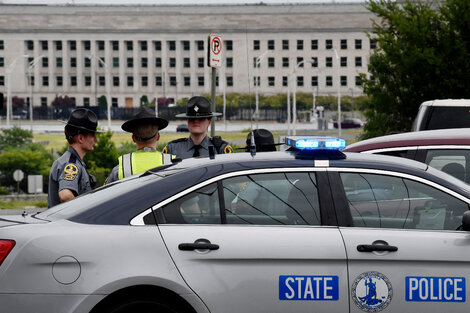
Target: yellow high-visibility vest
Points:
(140, 161)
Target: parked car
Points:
(350, 123)
(445, 149)
(307, 230)
(182, 128)
(441, 114)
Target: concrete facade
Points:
(161, 51)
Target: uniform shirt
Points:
(67, 172)
(184, 147)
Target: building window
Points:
(31, 80)
(344, 61)
(45, 62)
(328, 44)
(300, 62)
(285, 44)
(143, 45)
(158, 45)
(229, 62)
(372, 43)
(256, 45)
(2, 62)
(130, 62)
(86, 101)
(100, 44)
(300, 44)
(185, 45)
(358, 80)
(130, 81)
(284, 81)
(344, 44)
(344, 80)
(271, 81)
(187, 81)
(115, 62)
(285, 62)
(30, 45)
(87, 62)
(271, 62)
(172, 80)
(270, 44)
(158, 62)
(255, 62)
(44, 101)
(87, 80)
(116, 81)
(172, 62)
(58, 45)
(73, 45)
(114, 102)
(200, 46)
(300, 81)
(200, 62)
(256, 81)
(186, 62)
(329, 81)
(358, 44)
(129, 45)
(171, 45)
(229, 81)
(358, 61)
(115, 45)
(100, 63)
(144, 62)
(329, 62)
(44, 45)
(73, 81)
(314, 81)
(145, 81)
(158, 80)
(314, 44)
(2, 45)
(60, 81)
(73, 62)
(314, 62)
(200, 81)
(102, 81)
(229, 45)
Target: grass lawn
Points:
(22, 204)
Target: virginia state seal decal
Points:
(372, 291)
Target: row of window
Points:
(128, 44)
(314, 44)
(300, 81)
(300, 62)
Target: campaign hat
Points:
(198, 107)
(144, 115)
(84, 119)
(264, 140)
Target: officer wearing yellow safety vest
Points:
(145, 127)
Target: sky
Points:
(87, 2)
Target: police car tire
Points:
(141, 306)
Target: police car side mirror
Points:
(466, 221)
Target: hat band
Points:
(145, 139)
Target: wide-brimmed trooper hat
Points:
(198, 107)
(264, 140)
(83, 119)
(144, 115)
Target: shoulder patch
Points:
(70, 171)
(228, 149)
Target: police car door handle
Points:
(371, 248)
(197, 246)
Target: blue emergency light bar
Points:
(309, 143)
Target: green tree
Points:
(144, 101)
(102, 102)
(103, 158)
(15, 137)
(421, 55)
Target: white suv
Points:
(439, 114)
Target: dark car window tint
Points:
(453, 162)
(272, 199)
(398, 153)
(448, 117)
(198, 207)
(382, 201)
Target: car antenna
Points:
(252, 144)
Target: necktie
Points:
(196, 150)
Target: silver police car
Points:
(308, 230)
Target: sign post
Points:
(18, 176)
(214, 60)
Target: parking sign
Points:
(215, 51)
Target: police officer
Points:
(197, 144)
(69, 177)
(145, 127)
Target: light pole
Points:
(339, 93)
(294, 101)
(108, 85)
(31, 65)
(8, 72)
(257, 63)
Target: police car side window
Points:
(383, 201)
(272, 199)
(453, 162)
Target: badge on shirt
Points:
(70, 171)
(228, 149)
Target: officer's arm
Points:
(66, 195)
